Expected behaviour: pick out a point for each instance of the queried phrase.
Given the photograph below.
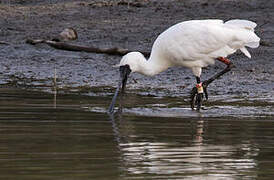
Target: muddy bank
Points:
(128, 24)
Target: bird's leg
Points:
(199, 95)
(229, 66)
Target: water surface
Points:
(71, 137)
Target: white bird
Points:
(193, 44)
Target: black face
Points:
(124, 72)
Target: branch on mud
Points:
(4, 43)
(265, 43)
(71, 47)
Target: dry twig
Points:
(4, 43)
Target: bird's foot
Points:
(197, 95)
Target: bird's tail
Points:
(248, 36)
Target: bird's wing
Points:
(194, 40)
(204, 40)
(249, 25)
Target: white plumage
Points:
(194, 44)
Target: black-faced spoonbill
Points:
(193, 44)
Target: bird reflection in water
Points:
(151, 146)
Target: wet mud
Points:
(127, 24)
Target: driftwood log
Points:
(90, 49)
(4, 43)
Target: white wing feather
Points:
(245, 51)
(205, 40)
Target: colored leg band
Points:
(199, 88)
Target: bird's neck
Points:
(152, 66)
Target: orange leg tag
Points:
(200, 89)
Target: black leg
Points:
(218, 75)
(198, 93)
(196, 96)
(198, 79)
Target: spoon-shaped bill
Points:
(124, 72)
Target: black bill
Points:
(124, 72)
